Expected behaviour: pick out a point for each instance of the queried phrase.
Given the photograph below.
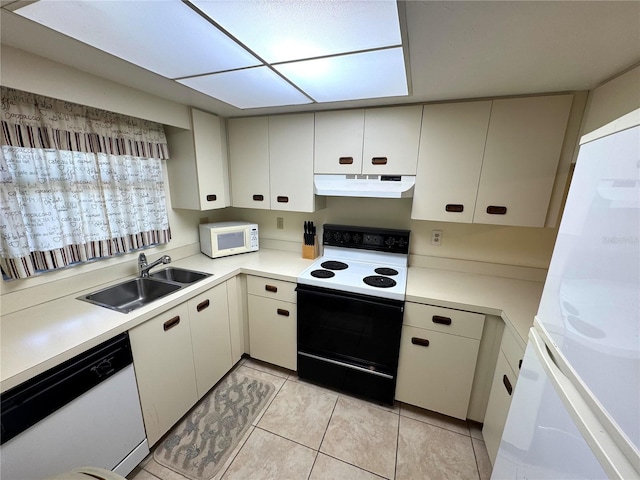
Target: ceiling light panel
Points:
(164, 36)
(285, 30)
(376, 74)
(250, 88)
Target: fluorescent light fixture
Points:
(380, 73)
(285, 30)
(163, 36)
(250, 88)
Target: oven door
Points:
(348, 340)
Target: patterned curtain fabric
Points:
(77, 184)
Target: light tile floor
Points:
(312, 433)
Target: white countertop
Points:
(40, 337)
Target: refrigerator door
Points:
(551, 433)
(590, 306)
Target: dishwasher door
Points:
(101, 427)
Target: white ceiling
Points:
(457, 50)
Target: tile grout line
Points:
(475, 457)
(395, 467)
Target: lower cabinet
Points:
(272, 321)
(179, 355)
(504, 381)
(438, 353)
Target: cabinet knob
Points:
(379, 161)
(454, 207)
(271, 288)
(507, 384)
(441, 320)
(202, 305)
(171, 323)
(345, 160)
(423, 342)
(282, 199)
(212, 198)
(496, 210)
(283, 312)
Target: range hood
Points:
(378, 186)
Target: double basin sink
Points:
(132, 294)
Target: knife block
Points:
(310, 251)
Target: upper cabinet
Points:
(378, 141)
(491, 162)
(272, 162)
(198, 168)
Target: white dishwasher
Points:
(85, 411)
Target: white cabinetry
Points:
(438, 352)
(165, 372)
(379, 141)
(504, 381)
(272, 321)
(198, 169)
(496, 168)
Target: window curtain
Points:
(77, 184)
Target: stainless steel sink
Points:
(179, 275)
(127, 296)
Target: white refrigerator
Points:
(575, 412)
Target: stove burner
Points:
(386, 271)
(322, 274)
(333, 265)
(380, 282)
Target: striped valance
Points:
(61, 125)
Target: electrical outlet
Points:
(436, 237)
(279, 223)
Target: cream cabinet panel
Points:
(521, 157)
(452, 144)
(249, 162)
(445, 320)
(504, 381)
(272, 331)
(435, 370)
(210, 337)
(338, 142)
(198, 169)
(165, 372)
(391, 140)
(236, 319)
(270, 288)
(291, 162)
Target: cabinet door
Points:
(291, 162)
(249, 162)
(521, 157)
(391, 140)
(450, 160)
(210, 336)
(236, 320)
(435, 370)
(272, 331)
(338, 142)
(163, 361)
(504, 381)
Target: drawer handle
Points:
(507, 384)
(202, 305)
(379, 161)
(496, 210)
(282, 199)
(454, 207)
(258, 198)
(271, 288)
(441, 320)
(423, 342)
(171, 323)
(283, 312)
(345, 160)
(212, 198)
(519, 364)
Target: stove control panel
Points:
(367, 238)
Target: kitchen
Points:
(480, 248)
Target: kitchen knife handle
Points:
(345, 160)
(423, 342)
(379, 161)
(441, 320)
(171, 323)
(507, 384)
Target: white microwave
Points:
(228, 238)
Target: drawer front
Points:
(512, 350)
(269, 288)
(273, 331)
(436, 370)
(445, 320)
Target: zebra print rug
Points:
(201, 443)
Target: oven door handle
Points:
(342, 295)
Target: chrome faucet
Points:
(144, 267)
